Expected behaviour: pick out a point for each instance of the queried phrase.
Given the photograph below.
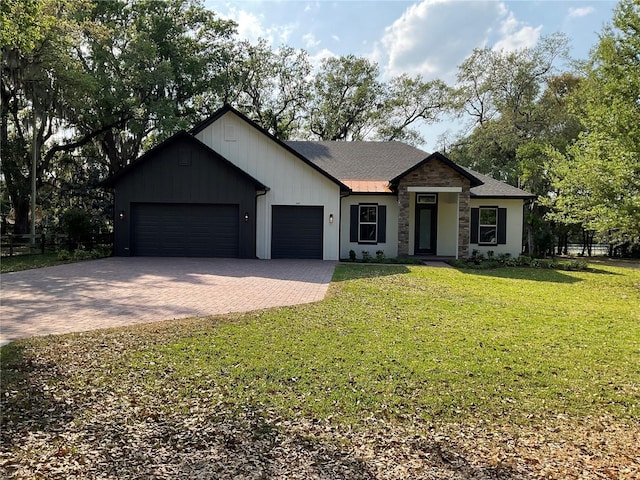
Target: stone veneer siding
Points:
(434, 173)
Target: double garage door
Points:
(185, 230)
(197, 230)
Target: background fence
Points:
(597, 249)
(13, 244)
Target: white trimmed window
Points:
(488, 226)
(367, 223)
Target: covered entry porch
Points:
(434, 212)
(434, 219)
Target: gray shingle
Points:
(385, 161)
(495, 188)
(361, 160)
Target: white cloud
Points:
(516, 35)
(580, 12)
(251, 27)
(335, 38)
(310, 41)
(433, 37)
(319, 56)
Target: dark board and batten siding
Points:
(297, 232)
(184, 192)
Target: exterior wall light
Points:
(121, 215)
(331, 218)
(246, 216)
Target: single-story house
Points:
(228, 188)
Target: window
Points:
(427, 198)
(367, 223)
(488, 226)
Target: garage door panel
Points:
(185, 230)
(297, 232)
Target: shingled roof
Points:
(360, 163)
(495, 189)
(361, 160)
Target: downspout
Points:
(342, 196)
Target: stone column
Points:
(403, 221)
(464, 223)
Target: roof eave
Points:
(505, 197)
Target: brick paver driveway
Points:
(121, 291)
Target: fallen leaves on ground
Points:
(62, 418)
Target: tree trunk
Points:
(21, 207)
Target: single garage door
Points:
(296, 232)
(181, 230)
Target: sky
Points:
(427, 37)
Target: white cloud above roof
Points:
(516, 35)
(310, 41)
(433, 37)
(251, 27)
(576, 12)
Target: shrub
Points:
(476, 256)
(366, 256)
(542, 263)
(64, 255)
(523, 261)
(101, 251)
(79, 255)
(505, 260)
(352, 256)
(503, 257)
(380, 256)
(76, 224)
(510, 262)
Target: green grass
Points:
(481, 371)
(511, 372)
(414, 342)
(26, 262)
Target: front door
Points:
(426, 225)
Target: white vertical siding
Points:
(291, 181)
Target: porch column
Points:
(464, 223)
(403, 221)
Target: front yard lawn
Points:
(26, 262)
(402, 372)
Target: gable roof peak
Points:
(181, 135)
(439, 156)
(226, 108)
